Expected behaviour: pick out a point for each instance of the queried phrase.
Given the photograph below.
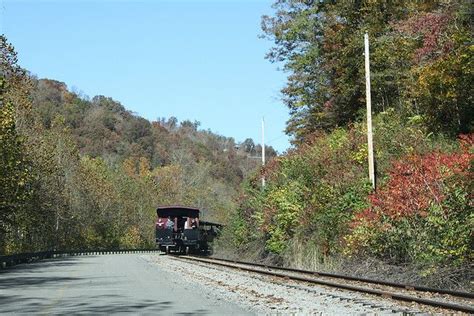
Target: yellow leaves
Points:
(144, 167)
(337, 138)
(167, 175)
(129, 167)
(283, 207)
(360, 156)
(134, 167)
(7, 116)
(132, 238)
(169, 183)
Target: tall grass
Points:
(306, 255)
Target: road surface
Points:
(124, 283)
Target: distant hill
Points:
(103, 128)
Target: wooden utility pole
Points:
(263, 150)
(370, 143)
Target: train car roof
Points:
(177, 210)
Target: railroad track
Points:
(445, 299)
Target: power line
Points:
(275, 139)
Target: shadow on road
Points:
(101, 304)
(36, 274)
(15, 283)
(42, 264)
(39, 287)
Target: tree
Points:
(15, 173)
(414, 45)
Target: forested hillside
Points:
(318, 209)
(86, 173)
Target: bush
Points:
(422, 214)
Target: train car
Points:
(179, 230)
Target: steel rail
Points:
(396, 296)
(358, 279)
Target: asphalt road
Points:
(102, 284)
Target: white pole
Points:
(263, 149)
(370, 144)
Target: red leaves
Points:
(466, 141)
(416, 182)
(430, 27)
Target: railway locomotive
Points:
(179, 229)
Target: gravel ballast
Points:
(269, 295)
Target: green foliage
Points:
(15, 173)
(310, 195)
(450, 227)
(239, 231)
(421, 62)
(287, 204)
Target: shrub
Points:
(423, 213)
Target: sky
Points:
(193, 59)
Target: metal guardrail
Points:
(11, 260)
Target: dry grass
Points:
(300, 255)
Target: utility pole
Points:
(370, 143)
(263, 150)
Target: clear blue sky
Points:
(197, 60)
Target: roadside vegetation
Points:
(80, 173)
(318, 209)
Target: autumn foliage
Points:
(424, 210)
(317, 198)
(417, 181)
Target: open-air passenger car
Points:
(178, 229)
